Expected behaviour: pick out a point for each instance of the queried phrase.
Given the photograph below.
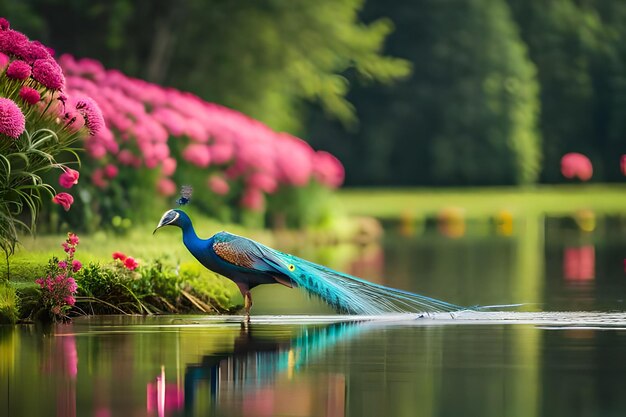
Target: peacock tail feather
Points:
(354, 295)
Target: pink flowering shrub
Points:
(59, 287)
(39, 122)
(160, 138)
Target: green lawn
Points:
(388, 203)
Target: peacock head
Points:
(172, 218)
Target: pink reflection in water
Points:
(62, 359)
(579, 263)
(303, 397)
(163, 397)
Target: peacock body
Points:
(249, 264)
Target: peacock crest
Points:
(185, 195)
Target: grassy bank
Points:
(385, 203)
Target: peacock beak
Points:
(168, 218)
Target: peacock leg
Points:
(247, 301)
(247, 298)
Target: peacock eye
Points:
(291, 267)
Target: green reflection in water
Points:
(198, 366)
(194, 366)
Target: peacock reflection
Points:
(261, 376)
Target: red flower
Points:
(69, 178)
(120, 256)
(130, 263)
(63, 199)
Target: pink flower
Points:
(253, 199)
(63, 199)
(48, 73)
(4, 60)
(126, 157)
(195, 131)
(74, 121)
(70, 300)
(95, 149)
(623, 164)
(97, 178)
(30, 95)
(62, 264)
(576, 165)
(72, 239)
(166, 187)
(110, 171)
(168, 166)
(327, 169)
(76, 265)
(69, 178)
(171, 119)
(263, 182)
(222, 152)
(218, 185)
(71, 284)
(37, 51)
(119, 255)
(4, 24)
(12, 121)
(18, 70)
(198, 155)
(294, 159)
(130, 263)
(14, 43)
(92, 114)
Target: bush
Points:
(156, 287)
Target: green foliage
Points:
(130, 196)
(209, 286)
(308, 206)
(9, 304)
(264, 58)
(155, 287)
(22, 163)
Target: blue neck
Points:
(189, 234)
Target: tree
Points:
(468, 114)
(265, 58)
(578, 48)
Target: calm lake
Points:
(561, 354)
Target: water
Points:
(563, 356)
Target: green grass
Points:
(9, 304)
(33, 253)
(555, 200)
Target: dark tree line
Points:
(408, 92)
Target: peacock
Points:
(249, 264)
